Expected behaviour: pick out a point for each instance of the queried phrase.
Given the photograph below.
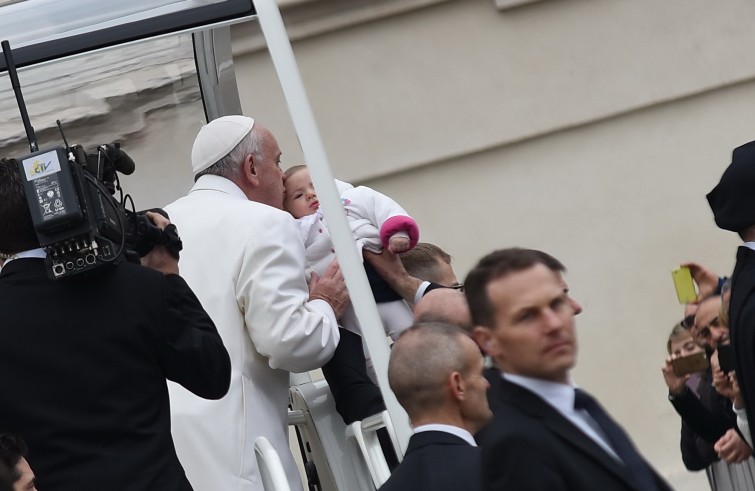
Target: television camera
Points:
(71, 197)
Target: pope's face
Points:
(269, 173)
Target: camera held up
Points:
(71, 197)
(78, 221)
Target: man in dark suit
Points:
(733, 204)
(435, 370)
(545, 435)
(84, 360)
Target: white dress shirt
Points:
(454, 430)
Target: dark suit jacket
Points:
(83, 363)
(742, 326)
(437, 461)
(529, 445)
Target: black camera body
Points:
(79, 223)
(70, 195)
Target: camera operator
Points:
(84, 360)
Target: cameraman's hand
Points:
(674, 382)
(159, 258)
(331, 288)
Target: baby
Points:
(376, 221)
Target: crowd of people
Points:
(712, 399)
(162, 375)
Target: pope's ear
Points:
(249, 171)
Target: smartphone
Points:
(696, 362)
(685, 287)
(725, 357)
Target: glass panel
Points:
(144, 95)
(32, 21)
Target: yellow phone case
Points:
(685, 287)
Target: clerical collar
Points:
(750, 245)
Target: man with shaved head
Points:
(445, 397)
(444, 305)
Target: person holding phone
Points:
(709, 439)
(700, 428)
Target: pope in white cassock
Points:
(244, 259)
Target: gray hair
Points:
(230, 165)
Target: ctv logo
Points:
(41, 165)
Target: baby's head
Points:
(301, 198)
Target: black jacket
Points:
(530, 446)
(83, 368)
(437, 461)
(742, 325)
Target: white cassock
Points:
(245, 262)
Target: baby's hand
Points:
(398, 244)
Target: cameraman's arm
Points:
(194, 354)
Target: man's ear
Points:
(485, 340)
(249, 171)
(457, 386)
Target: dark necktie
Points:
(638, 469)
